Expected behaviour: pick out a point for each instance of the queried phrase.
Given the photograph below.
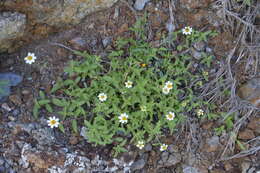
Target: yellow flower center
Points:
(143, 65)
(187, 30)
(29, 58)
(124, 118)
(169, 86)
(170, 116)
(53, 122)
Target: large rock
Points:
(12, 26)
(45, 16)
(251, 91)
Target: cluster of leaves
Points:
(148, 68)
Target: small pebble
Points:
(140, 4)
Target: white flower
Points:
(187, 30)
(165, 90)
(123, 118)
(102, 97)
(53, 122)
(169, 85)
(140, 144)
(200, 112)
(129, 84)
(163, 147)
(30, 58)
(170, 116)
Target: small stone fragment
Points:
(199, 46)
(140, 4)
(139, 164)
(254, 125)
(251, 91)
(15, 99)
(78, 43)
(246, 134)
(212, 144)
(6, 107)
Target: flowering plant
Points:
(121, 100)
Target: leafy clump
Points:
(131, 81)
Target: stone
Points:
(6, 107)
(78, 43)
(15, 99)
(212, 144)
(250, 91)
(43, 17)
(189, 169)
(245, 166)
(83, 133)
(11, 78)
(254, 125)
(106, 41)
(197, 55)
(12, 26)
(139, 164)
(140, 4)
(173, 159)
(246, 134)
(148, 147)
(200, 46)
(194, 4)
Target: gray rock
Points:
(11, 78)
(148, 147)
(173, 159)
(2, 161)
(189, 169)
(140, 4)
(164, 157)
(83, 133)
(212, 144)
(106, 41)
(197, 55)
(12, 26)
(200, 46)
(139, 164)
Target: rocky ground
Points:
(51, 28)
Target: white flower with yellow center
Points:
(140, 144)
(123, 118)
(129, 84)
(165, 90)
(53, 122)
(187, 30)
(163, 147)
(102, 97)
(169, 85)
(200, 112)
(170, 116)
(30, 58)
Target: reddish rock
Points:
(207, 125)
(78, 43)
(212, 144)
(194, 4)
(123, 28)
(246, 134)
(251, 91)
(254, 125)
(41, 160)
(15, 99)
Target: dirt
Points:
(203, 149)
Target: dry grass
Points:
(239, 20)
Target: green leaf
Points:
(36, 108)
(43, 102)
(49, 108)
(42, 95)
(61, 127)
(58, 102)
(74, 126)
